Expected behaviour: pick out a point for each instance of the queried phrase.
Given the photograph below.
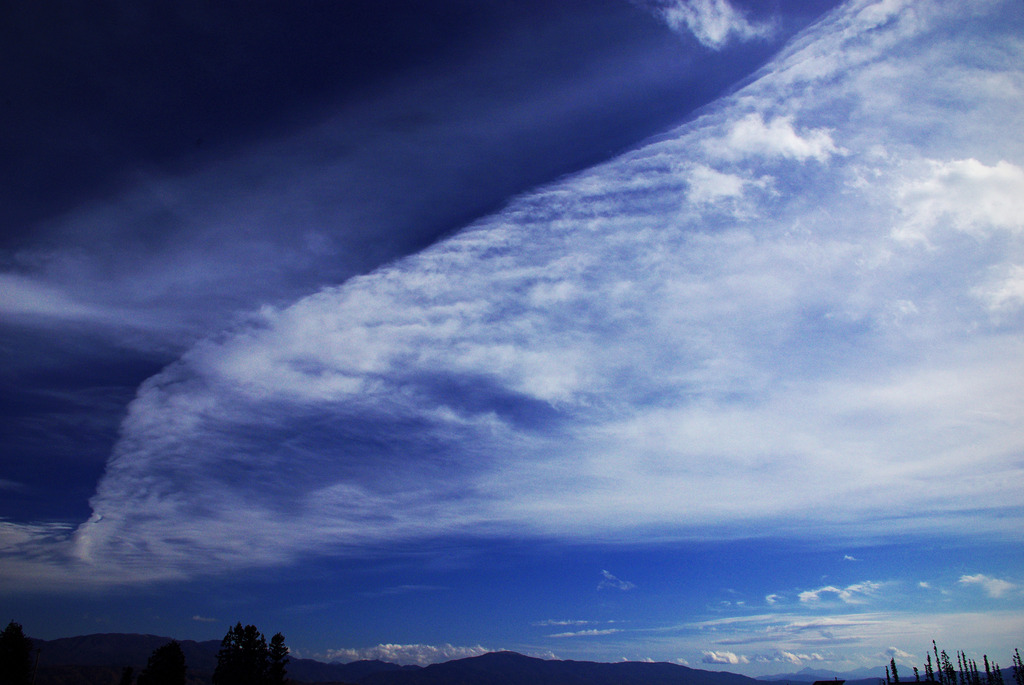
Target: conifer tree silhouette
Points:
(15, 655)
(166, 666)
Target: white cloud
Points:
(850, 557)
(27, 296)
(714, 23)
(811, 634)
(752, 137)
(723, 657)
(897, 653)
(1003, 290)
(772, 599)
(856, 593)
(610, 581)
(36, 554)
(22, 536)
(605, 358)
(204, 619)
(993, 587)
(964, 195)
(594, 632)
(421, 655)
(709, 188)
(561, 622)
(782, 656)
(708, 185)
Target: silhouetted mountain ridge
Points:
(511, 668)
(93, 658)
(99, 659)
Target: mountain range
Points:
(810, 675)
(100, 660)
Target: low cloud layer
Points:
(807, 638)
(723, 657)
(420, 655)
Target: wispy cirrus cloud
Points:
(784, 657)
(833, 638)
(561, 622)
(610, 581)
(625, 354)
(24, 537)
(402, 590)
(590, 632)
(856, 593)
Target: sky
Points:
(684, 330)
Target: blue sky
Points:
(683, 330)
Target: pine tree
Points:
(929, 672)
(947, 669)
(245, 659)
(166, 666)
(278, 658)
(895, 674)
(242, 659)
(1018, 668)
(15, 655)
(228, 657)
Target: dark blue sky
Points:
(673, 329)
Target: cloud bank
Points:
(420, 655)
(804, 638)
(723, 657)
(781, 316)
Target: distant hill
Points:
(120, 649)
(509, 668)
(809, 675)
(99, 660)
(860, 676)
